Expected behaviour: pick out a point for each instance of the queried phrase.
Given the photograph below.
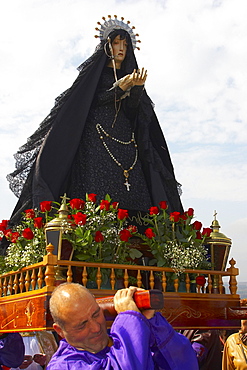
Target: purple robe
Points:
(11, 350)
(138, 344)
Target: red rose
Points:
(80, 218)
(200, 280)
(45, 206)
(27, 233)
(3, 225)
(132, 229)
(38, 222)
(99, 237)
(30, 213)
(8, 233)
(104, 204)
(70, 217)
(184, 216)
(197, 225)
(198, 235)
(77, 203)
(153, 210)
(122, 214)
(163, 204)
(190, 212)
(92, 197)
(175, 216)
(206, 231)
(149, 233)
(124, 235)
(115, 205)
(14, 237)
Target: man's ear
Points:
(59, 330)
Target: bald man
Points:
(141, 341)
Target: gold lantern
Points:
(54, 231)
(219, 246)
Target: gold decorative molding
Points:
(172, 314)
(11, 318)
(29, 311)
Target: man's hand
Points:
(27, 361)
(123, 301)
(40, 358)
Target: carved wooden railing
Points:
(24, 294)
(48, 272)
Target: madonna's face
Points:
(119, 50)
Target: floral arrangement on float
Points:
(102, 234)
(175, 240)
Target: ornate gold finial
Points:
(109, 25)
(216, 234)
(62, 220)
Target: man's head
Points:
(78, 318)
(243, 329)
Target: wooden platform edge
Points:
(29, 311)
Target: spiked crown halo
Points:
(111, 24)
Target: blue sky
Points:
(196, 56)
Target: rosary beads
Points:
(102, 132)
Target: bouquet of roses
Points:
(100, 233)
(174, 240)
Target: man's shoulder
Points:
(64, 354)
(233, 338)
(68, 357)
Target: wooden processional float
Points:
(25, 294)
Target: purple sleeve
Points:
(131, 336)
(171, 350)
(12, 350)
(200, 350)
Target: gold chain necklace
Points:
(117, 108)
(101, 133)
